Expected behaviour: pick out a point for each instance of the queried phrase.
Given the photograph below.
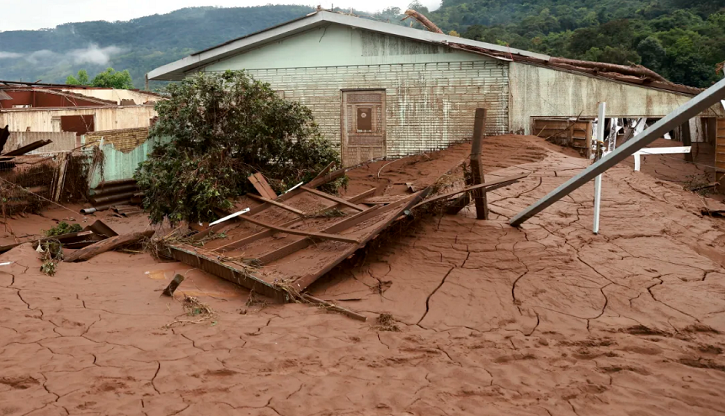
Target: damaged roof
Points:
(637, 75)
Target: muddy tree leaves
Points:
(224, 127)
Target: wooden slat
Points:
(298, 232)
(277, 204)
(262, 186)
(333, 198)
(303, 282)
(488, 186)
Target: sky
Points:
(38, 14)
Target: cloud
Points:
(10, 55)
(42, 56)
(94, 55)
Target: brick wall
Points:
(123, 140)
(428, 105)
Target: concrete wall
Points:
(111, 94)
(106, 118)
(431, 91)
(544, 92)
(62, 141)
(123, 140)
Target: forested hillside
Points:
(138, 45)
(684, 40)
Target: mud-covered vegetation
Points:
(224, 127)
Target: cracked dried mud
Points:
(548, 319)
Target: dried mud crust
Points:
(545, 320)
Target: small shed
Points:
(383, 90)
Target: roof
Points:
(69, 95)
(177, 70)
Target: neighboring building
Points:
(52, 111)
(384, 90)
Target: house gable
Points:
(338, 45)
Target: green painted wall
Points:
(119, 165)
(335, 45)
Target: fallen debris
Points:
(171, 288)
(28, 148)
(108, 244)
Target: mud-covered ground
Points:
(548, 319)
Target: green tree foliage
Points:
(224, 127)
(112, 79)
(81, 79)
(684, 40)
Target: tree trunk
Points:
(108, 244)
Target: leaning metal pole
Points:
(698, 104)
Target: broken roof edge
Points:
(176, 71)
(68, 94)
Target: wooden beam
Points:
(692, 108)
(298, 232)
(477, 178)
(108, 244)
(334, 198)
(488, 186)
(335, 228)
(277, 204)
(262, 186)
(303, 282)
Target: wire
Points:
(39, 196)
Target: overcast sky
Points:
(37, 14)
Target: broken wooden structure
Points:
(283, 245)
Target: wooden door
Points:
(363, 126)
(720, 148)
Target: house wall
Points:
(123, 140)
(432, 91)
(105, 118)
(62, 141)
(544, 92)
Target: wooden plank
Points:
(303, 282)
(108, 244)
(338, 227)
(488, 186)
(211, 263)
(333, 198)
(477, 178)
(262, 186)
(276, 204)
(362, 195)
(298, 232)
(268, 232)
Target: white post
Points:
(598, 179)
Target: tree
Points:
(652, 53)
(81, 79)
(112, 79)
(222, 128)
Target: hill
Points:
(138, 45)
(684, 40)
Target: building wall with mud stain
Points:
(431, 91)
(545, 92)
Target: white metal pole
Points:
(598, 179)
